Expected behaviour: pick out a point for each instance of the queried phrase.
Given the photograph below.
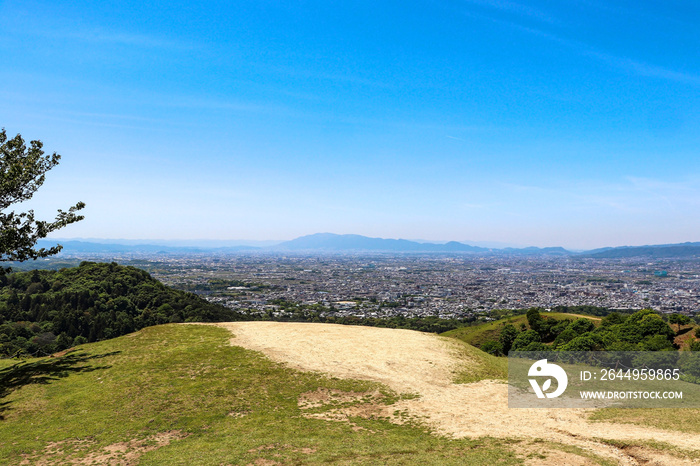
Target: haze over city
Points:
(523, 123)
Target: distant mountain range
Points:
(338, 243)
(661, 251)
(333, 243)
(77, 247)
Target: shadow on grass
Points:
(44, 371)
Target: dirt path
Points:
(580, 315)
(414, 362)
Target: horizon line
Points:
(269, 242)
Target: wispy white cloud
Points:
(628, 196)
(70, 31)
(517, 9)
(649, 184)
(209, 103)
(91, 121)
(636, 67)
(637, 10)
(345, 76)
(524, 187)
(117, 37)
(472, 206)
(627, 64)
(115, 116)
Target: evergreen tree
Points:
(22, 172)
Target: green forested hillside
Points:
(644, 330)
(479, 334)
(43, 311)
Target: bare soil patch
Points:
(274, 448)
(545, 455)
(336, 405)
(425, 364)
(582, 316)
(73, 451)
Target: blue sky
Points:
(534, 123)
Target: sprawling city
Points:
(418, 285)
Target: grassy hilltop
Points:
(179, 394)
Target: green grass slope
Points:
(180, 394)
(479, 365)
(476, 335)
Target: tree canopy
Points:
(22, 172)
(43, 311)
(643, 330)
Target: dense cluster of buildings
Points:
(436, 285)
